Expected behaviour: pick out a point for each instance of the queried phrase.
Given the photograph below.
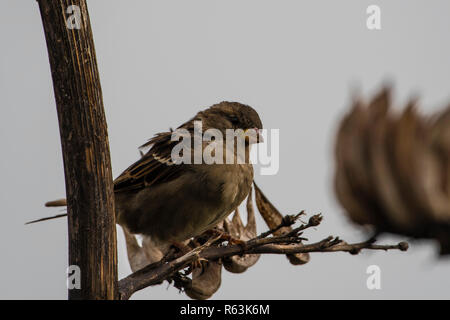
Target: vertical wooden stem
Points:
(84, 140)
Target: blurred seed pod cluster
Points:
(393, 169)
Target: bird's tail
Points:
(54, 203)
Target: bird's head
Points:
(232, 115)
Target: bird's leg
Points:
(232, 240)
(239, 242)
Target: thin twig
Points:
(262, 244)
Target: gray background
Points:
(161, 61)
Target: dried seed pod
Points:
(205, 281)
(140, 256)
(235, 227)
(273, 218)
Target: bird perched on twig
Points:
(170, 202)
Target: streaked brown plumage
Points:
(173, 202)
(176, 202)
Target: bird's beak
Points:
(259, 136)
(255, 137)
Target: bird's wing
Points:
(153, 168)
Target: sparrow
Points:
(171, 202)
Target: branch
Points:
(283, 244)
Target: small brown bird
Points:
(171, 202)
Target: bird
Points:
(171, 202)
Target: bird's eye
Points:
(233, 119)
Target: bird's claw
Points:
(225, 236)
(198, 263)
(239, 242)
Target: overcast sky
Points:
(296, 62)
